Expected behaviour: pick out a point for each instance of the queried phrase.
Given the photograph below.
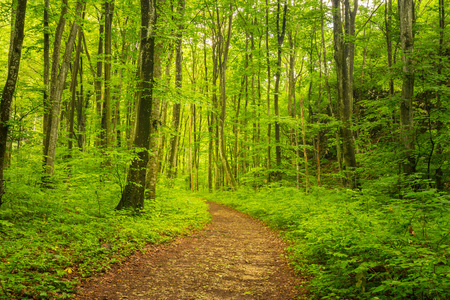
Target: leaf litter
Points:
(235, 257)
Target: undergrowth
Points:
(52, 237)
(359, 245)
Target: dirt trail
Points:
(235, 257)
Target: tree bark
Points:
(406, 14)
(439, 176)
(134, 192)
(15, 54)
(54, 75)
(56, 94)
(81, 115)
(344, 58)
(73, 87)
(46, 103)
(98, 80)
(224, 46)
(106, 112)
(280, 39)
(152, 168)
(171, 172)
(269, 77)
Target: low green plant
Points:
(359, 244)
(50, 238)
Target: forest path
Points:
(235, 257)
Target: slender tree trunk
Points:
(73, 90)
(16, 43)
(98, 77)
(56, 95)
(223, 59)
(406, 14)
(171, 172)
(134, 191)
(327, 86)
(269, 77)
(81, 116)
(54, 74)
(280, 38)
(106, 112)
(46, 104)
(305, 155)
(439, 176)
(210, 122)
(344, 58)
(388, 22)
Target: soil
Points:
(235, 257)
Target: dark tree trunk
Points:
(134, 192)
(46, 103)
(73, 90)
(106, 112)
(280, 39)
(98, 77)
(16, 42)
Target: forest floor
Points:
(235, 257)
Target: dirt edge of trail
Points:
(234, 257)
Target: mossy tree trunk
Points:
(134, 191)
(15, 54)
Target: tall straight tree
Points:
(57, 87)
(106, 112)
(223, 49)
(344, 54)
(178, 84)
(280, 38)
(15, 54)
(46, 103)
(134, 191)
(406, 14)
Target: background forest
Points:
(329, 121)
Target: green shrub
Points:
(51, 237)
(359, 245)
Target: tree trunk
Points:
(54, 75)
(81, 116)
(134, 191)
(73, 87)
(224, 46)
(171, 172)
(439, 176)
(16, 42)
(152, 168)
(56, 95)
(344, 58)
(305, 155)
(406, 11)
(46, 103)
(327, 86)
(106, 112)
(280, 39)
(269, 77)
(98, 80)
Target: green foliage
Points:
(359, 245)
(51, 238)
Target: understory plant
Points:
(359, 244)
(52, 236)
